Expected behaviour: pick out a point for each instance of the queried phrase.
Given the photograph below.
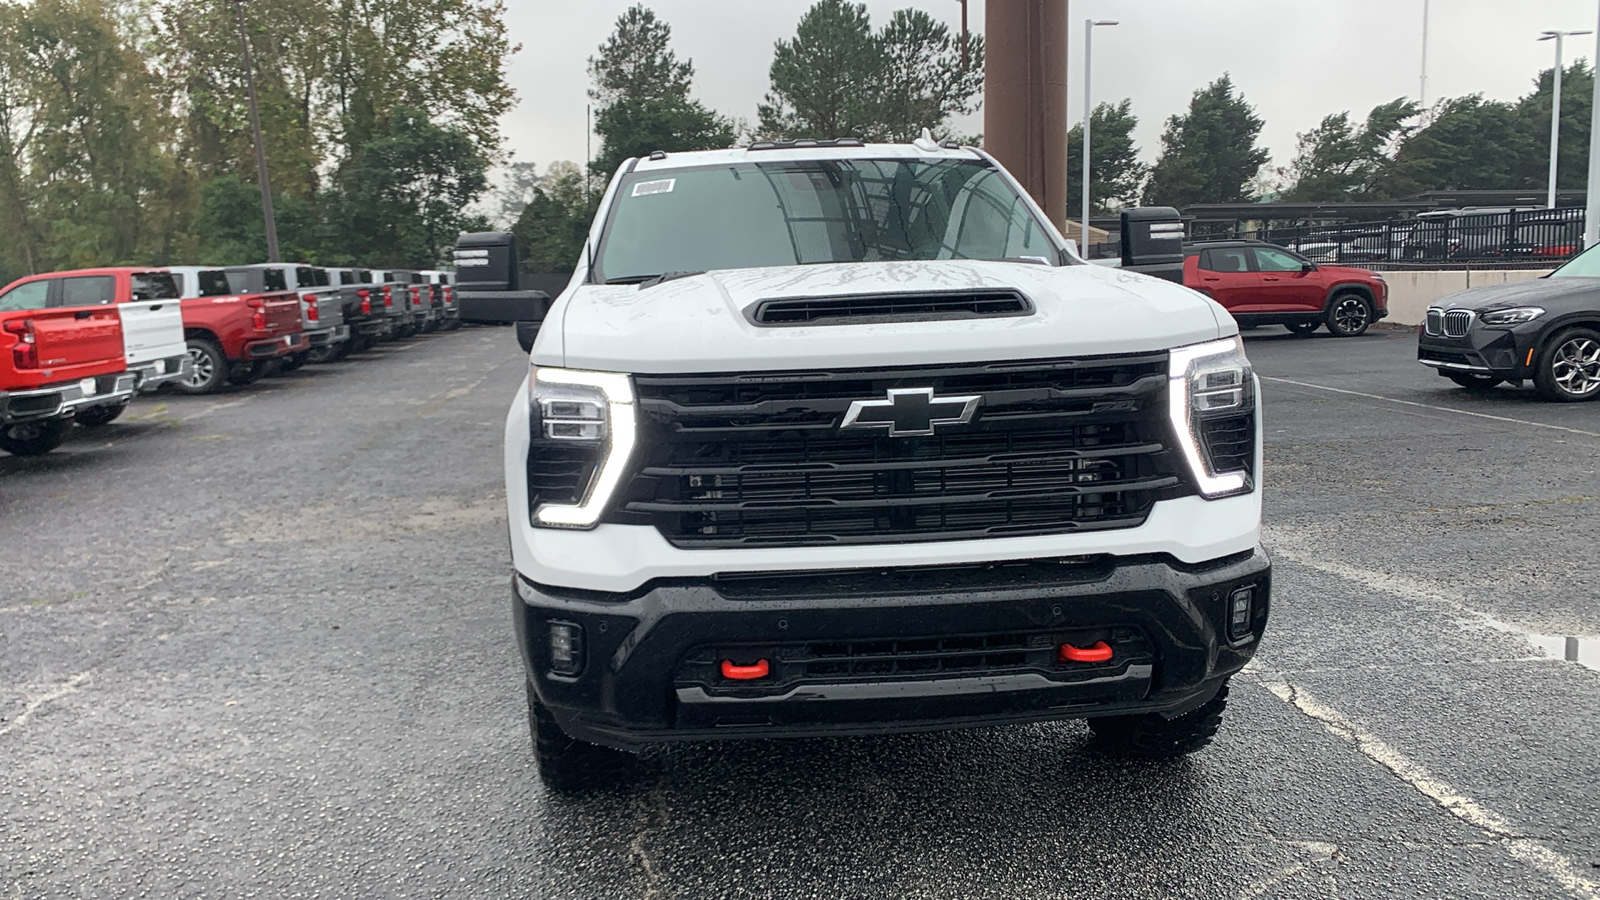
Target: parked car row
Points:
(77, 346)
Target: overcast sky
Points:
(1295, 60)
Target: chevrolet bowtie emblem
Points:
(910, 412)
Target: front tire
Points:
(96, 416)
(1568, 369)
(1349, 315)
(566, 764)
(209, 368)
(1153, 737)
(32, 438)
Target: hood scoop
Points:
(861, 309)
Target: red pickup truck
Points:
(56, 357)
(1264, 284)
(237, 322)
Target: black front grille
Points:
(914, 659)
(1054, 446)
(890, 308)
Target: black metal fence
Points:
(1445, 238)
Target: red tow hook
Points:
(745, 673)
(1099, 651)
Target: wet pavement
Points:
(259, 645)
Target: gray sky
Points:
(1295, 60)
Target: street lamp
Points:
(1088, 111)
(1555, 106)
(269, 220)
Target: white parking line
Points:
(1562, 868)
(1447, 409)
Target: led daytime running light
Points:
(621, 437)
(1180, 406)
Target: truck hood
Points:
(699, 323)
(1534, 292)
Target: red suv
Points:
(1264, 284)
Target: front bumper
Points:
(650, 661)
(154, 374)
(61, 400)
(1499, 351)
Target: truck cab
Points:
(237, 322)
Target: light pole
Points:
(1555, 106)
(255, 126)
(1422, 85)
(1088, 113)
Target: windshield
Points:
(1584, 265)
(752, 215)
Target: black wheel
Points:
(1303, 329)
(343, 350)
(324, 354)
(1152, 737)
(430, 326)
(289, 363)
(1349, 315)
(566, 764)
(454, 325)
(1473, 381)
(1568, 368)
(96, 416)
(31, 438)
(209, 368)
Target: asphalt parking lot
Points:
(258, 644)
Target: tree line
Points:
(838, 76)
(125, 137)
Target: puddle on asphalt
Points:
(1585, 651)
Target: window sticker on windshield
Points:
(646, 188)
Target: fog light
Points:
(1241, 604)
(566, 648)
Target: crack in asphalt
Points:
(70, 686)
(1521, 846)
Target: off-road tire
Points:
(249, 372)
(32, 438)
(1152, 737)
(1303, 329)
(287, 364)
(1567, 361)
(1474, 381)
(325, 354)
(96, 416)
(1349, 315)
(211, 369)
(566, 764)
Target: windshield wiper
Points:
(645, 281)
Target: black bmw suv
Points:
(1547, 330)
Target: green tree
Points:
(1471, 144)
(637, 61)
(839, 78)
(1115, 172)
(1208, 155)
(230, 231)
(645, 95)
(555, 224)
(1340, 160)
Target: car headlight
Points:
(1511, 316)
(582, 433)
(1211, 400)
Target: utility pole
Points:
(1591, 230)
(1422, 90)
(1025, 97)
(1555, 108)
(255, 126)
(1088, 114)
(966, 54)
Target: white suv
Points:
(829, 438)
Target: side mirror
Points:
(1308, 267)
(526, 333)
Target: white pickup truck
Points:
(829, 438)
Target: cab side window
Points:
(88, 290)
(32, 295)
(1229, 260)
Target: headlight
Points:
(1511, 316)
(1211, 398)
(583, 432)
